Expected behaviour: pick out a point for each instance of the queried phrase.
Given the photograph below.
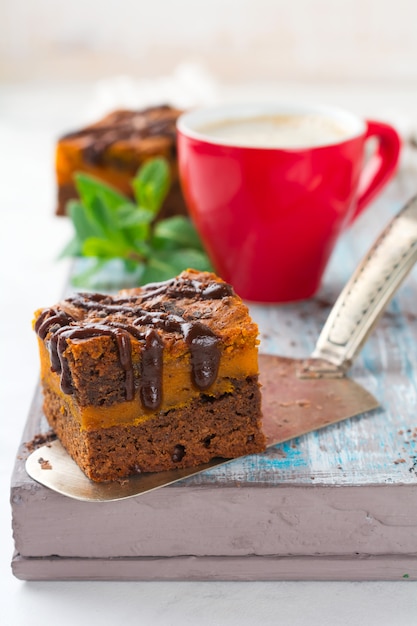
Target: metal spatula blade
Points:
(52, 466)
(297, 396)
(293, 406)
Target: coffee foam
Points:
(277, 131)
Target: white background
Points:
(309, 40)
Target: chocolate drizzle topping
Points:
(151, 370)
(205, 355)
(58, 326)
(124, 125)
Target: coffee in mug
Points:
(278, 131)
(271, 187)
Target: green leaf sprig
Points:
(108, 226)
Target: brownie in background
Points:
(115, 147)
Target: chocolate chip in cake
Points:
(207, 440)
(178, 453)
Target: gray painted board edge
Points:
(248, 568)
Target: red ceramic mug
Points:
(270, 203)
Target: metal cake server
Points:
(298, 396)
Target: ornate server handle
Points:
(367, 293)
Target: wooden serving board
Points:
(339, 503)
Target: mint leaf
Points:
(83, 226)
(90, 187)
(134, 223)
(151, 185)
(157, 269)
(185, 258)
(165, 264)
(102, 248)
(131, 215)
(176, 232)
(101, 216)
(122, 241)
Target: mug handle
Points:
(381, 165)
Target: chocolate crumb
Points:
(322, 303)
(44, 463)
(40, 440)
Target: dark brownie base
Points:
(228, 426)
